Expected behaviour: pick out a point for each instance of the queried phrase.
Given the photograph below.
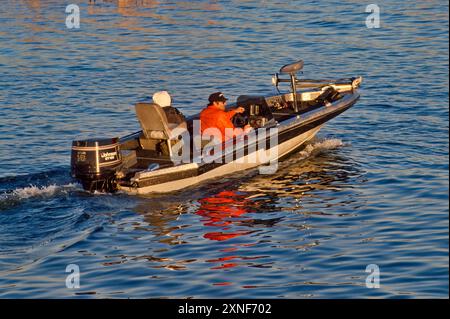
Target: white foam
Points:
(33, 191)
(96, 192)
(39, 191)
(319, 146)
(315, 147)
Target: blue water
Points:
(372, 188)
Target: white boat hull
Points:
(229, 168)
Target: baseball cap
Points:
(162, 98)
(217, 97)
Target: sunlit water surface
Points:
(372, 188)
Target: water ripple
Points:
(372, 189)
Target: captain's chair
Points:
(155, 127)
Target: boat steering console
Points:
(257, 113)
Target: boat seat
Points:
(292, 68)
(157, 134)
(154, 122)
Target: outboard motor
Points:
(95, 163)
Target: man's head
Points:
(218, 100)
(162, 98)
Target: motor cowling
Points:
(95, 162)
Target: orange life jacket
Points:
(214, 117)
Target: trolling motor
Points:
(95, 163)
(290, 69)
(329, 88)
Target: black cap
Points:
(217, 97)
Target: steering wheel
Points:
(240, 120)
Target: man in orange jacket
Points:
(215, 116)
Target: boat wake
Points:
(296, 162)
(15, 196)
(300, 173)
(44, 185)
(314, 148)
(41, 191)
(61, 186)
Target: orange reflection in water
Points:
(219, 211)
(223, 261)
(225, 211)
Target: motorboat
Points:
(164, 157)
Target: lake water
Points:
(372, 188)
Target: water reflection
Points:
(299, 180)
(229, 212)
(198, 5)
(124, 51)
(253, 210)
(220, 211)
(161, 214)
(137, 8)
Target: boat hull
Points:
(282, 149)
(291, 134)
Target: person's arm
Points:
(233, 112)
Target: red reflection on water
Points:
(220, 236)
(222, 259)
(223, 266)
(225, 283)
(226, 210)
(219, 211)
